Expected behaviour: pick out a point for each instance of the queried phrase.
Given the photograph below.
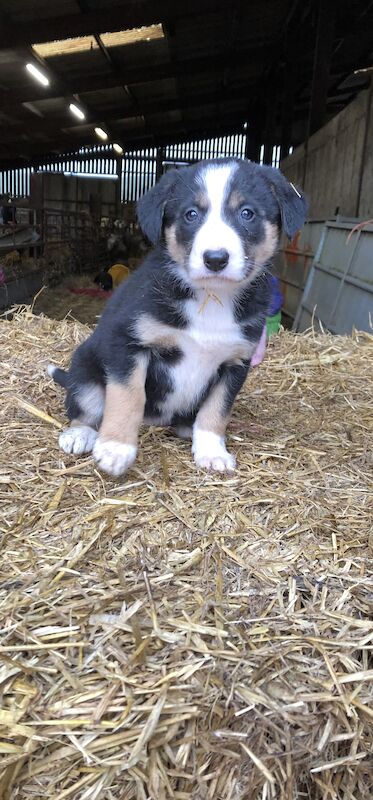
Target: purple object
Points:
(276, 297)
(2, 276)
(273, 308)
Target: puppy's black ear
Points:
(151, 206)
(291, 201)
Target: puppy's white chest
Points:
(211, 339)
(213, 329)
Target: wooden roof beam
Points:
(67, 126)
(9, 98)
(166, 134)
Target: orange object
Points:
(119, 273)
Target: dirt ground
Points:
(59, 301)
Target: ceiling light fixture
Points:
(365, 69)
(76, 111)
(101, 134)
(118, 149)
(92, 175)
(37, 74)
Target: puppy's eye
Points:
(247, 213)
(191, 215)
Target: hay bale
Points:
(14, 257)
(61, 260)
(181, 635)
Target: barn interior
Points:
(123, 91)
(174, 633)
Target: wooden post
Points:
(252, 149)
(364, 149)
(270, 118)
(118, 190)
(159, 163)
(268, 150)
(321, 64)
(287, 111)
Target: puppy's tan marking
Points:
(124, 407)
(211, 416)
(235, 200)
(202, 201)
(175, 249)
(265, 250)
(152, 333)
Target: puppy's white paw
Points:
(114, 457)
(51, 368)
(78, 439)
(223, 463)
(210, 452)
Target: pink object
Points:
(2, 276)
(89, 291)
(260, 350)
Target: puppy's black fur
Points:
(104, 281)
(112, 348)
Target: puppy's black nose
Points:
(216, 260)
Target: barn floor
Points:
(175, 634)
(57, 302)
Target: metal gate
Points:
(292, 264)
(339, 288)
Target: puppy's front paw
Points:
(78, 439)
(210, 453)
(114, 457)
(223, 463)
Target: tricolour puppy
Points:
(174, 344)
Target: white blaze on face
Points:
(215, 233)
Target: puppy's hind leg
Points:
(85, 408)
(183, 431)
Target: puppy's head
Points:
(221, 220)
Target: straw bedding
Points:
(181, 635)
(58, 301)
